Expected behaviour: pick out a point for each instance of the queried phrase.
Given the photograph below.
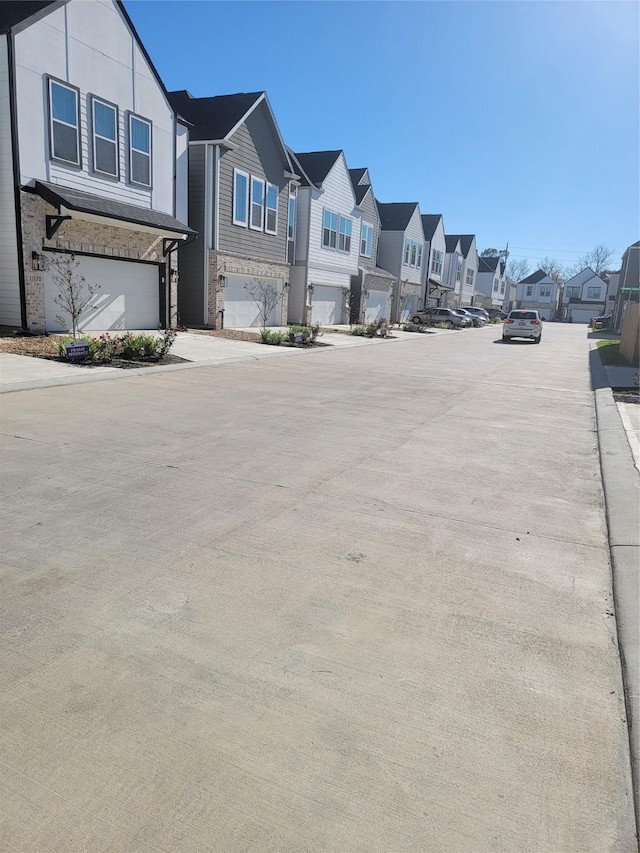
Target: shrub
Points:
(304, 331)
(442, 326)
(139, 347)
(359, 331)
(314, 328)
(411, 327)
(272, 337)
(371, 329)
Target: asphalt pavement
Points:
(358, 600)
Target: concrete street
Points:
(358, 600)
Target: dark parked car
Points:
(602, 322)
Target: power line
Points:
(562, 251)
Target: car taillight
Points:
(508, 320)
(535, 322)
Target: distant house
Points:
(491, 281)
(629, 289)
(509, 301)
(453, 267)
(372, 287)
(584, 296)
(327, 246)
(401, 252)
(242, 192)
(538, 292)
(435, 286)
(467, 292)
(93, 163)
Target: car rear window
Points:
(523, 315)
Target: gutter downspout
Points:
(13, 117)
(305, 310)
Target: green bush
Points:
(371, 329)
(129, 347)
(359, 331)
(411, 327)
(139, 347)
(272, 337)
(314, 328)
(442, 326)
(305, 331)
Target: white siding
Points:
(89, 45)
(414, 232)
(182, 173)
(467, 292)
(337, 196)
(9, 282)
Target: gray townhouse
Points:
(629, 284)
(242, 197)
(453, 267)
(372, 288)
(401, 252)
(436, 286)
(466, 294)
(491, 282)
(92, 162)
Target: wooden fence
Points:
(630, 338)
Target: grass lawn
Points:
(610, 353)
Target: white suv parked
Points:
(522, 324)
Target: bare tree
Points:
(266, 296)
(554, 269)
(489, 253)
(518, 268)
(74, 295)
(597, 259)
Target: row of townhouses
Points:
(178, 207)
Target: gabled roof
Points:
(451, 241)
(316, 165)
(214, 118)
(396, 215)
(430, 223)
(465, 242)
(534, 278)
(360, 192)
(588, 278)
(489, 264)
(14, 12)
(358, 176)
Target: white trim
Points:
(347, 236)
(268, 187)
(364, 225)
(75, 126)
(246, 115)
(216, 220)
(246, 175)
(139, 151)
(251, 225)
(322, 243)
(95, 135)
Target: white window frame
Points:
(543, 291)
(235, 220)
(347, 236)
(268, 187)
(419, 256)
(529, 290)
(590, 291)
(573, 288)
(328, 245)
(406, 257)
(291, 229)
(366, 229)
(436, 262)
(51, 82)
(253, 181)
(94, 100)
(148, 154)
(470, 276)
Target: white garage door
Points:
(326, 305)
(409, 307)
(583, 315)
(128, 296)
(377, 306)
(241, 310)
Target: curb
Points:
(621, 486)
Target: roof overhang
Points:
(76, 204)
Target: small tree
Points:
(597, 259)
(265, 296)
(74, 295)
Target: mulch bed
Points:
(44, 346)
(230, 334)
(628, 396)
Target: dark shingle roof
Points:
(361, 191)
(13, 12)
(465, 242)
(535, 277)
(452, 241)
(317, 164)
(212, 118)
(430, 223)
(396, 215)
(488, 264)
(356, 175)
(57, 195)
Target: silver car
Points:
(522, 324)
(476, 319)
(433, 316)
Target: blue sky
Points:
(518, 121)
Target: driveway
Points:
(356, 601)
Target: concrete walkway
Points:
(357, 601)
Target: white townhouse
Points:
(435, 285)
(327, 239)
(539, 292)
(453, 267)
(466, 295)
(401, 252)
(491, 282)
(93, 161)
(584, 296)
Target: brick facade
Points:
(225, 263)
(93, 238)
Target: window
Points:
(329, 229)
(593, 293)
(470, 275)
(271, 222)
(495, 286)
(291, 225)
(366, 240)
(64, 123)
(407, 252)
(459, 270)
(436, 262)
(412, 253)
(139, 151)
(257, 204)
(104, 122)
(502, 288)
(344, 237)
(545, 290)
(529, 290)
(240, 198)
(414, 250)
(572, 291)
(419, 256)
